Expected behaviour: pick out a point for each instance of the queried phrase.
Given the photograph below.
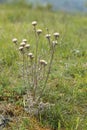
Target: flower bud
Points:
(22, 44)
(39, 31)
(30, 55)
(56, 35)
(43, 62)
(48, 36)
(34, 23)
(54, 43)
(21, 48)
(24, 40)
(14, 40)
(27, 46)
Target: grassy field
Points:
(67, 84)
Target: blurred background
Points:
(64, 5)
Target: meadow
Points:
(67, 84)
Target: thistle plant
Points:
(36, 70)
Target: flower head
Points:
(43, 62)
(39, 31)
(56, 35)
(30, 55)
(24, 40)
(34, 23)
(14, 40)
(21, 48)
(48, 36)
(22, 44)
(27, 46)
(54, 43)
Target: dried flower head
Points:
(39, 31)
(14, 40)
(34, 23)
(43, 62)
(56, 35)
(54, 43)
(30, 55)
(48, 36)
(24, 40)
(21, 48)
(27, 46)
(22, 44)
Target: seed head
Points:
(24, 40)
(34, 23)
(56, 35)
(22, 44)
(43, 62)
(48, 36)
(27, 46)
(14, 40)
(54, 43)
(21, 48)
(30, 55)
(39, 31)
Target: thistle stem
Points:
(23, 70)
(49, 68)
(36, 57)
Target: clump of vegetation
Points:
(35, 69)
(67, 82)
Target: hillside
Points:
(68, 5)
(65, 5)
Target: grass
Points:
(67, 85)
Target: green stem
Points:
(36, 57)
(49, 68)
(23, 71)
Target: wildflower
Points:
(22, 44)
(48, 36)
(14, 40)
(39, 31)
(34, 23)
(30, 55)
(24, 40)
(56, 35)
(27, 46)
(21, 48)
(54, 43)
(43, 62)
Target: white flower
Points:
(48, 36)
(39, 31)
(27, 46)
(54, 43)
(14, 40)
(21, 48)
(34, 23)
(56, 35)
(43, 62)
(30, 55)
(24, 40)
(22, 44)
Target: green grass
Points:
(67, 86)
